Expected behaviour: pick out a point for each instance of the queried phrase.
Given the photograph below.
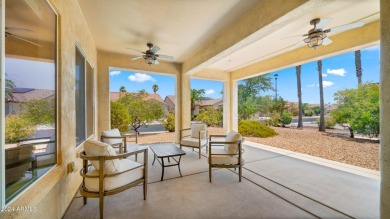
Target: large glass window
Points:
(30, 93)
(84, 98)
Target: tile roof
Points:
(31, 94)
(114, 96)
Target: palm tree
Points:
(196, 95)
(300, 112)
(122, 89)
(155, 88)
(9, 87)
(358, 65)
(321, 126)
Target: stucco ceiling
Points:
(178, 27)
(181, 27)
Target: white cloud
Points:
(139, 77)
(327, 83)
(324, 75)
(210, 91)
(338, 72)
(115, 72)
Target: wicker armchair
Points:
(228, 154)
(109, 173)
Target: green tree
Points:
(196, 96)
(155, 88)
(140, 110)
(169, 122)
(321, 126)
(120, 118)
(359, 108)
(210, 116)
(286, 118)
(249, 95)
(18, 128)
(122, 89)
(39, 112)
(142, 92)
(316, 110)
(9, 88)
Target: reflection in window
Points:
(30, 104)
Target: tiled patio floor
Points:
(274, 186)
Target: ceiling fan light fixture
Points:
(314, 42)
(150, 60)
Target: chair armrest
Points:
(201, 132)
(181, 133)
(129, 135)
(83, 156)
(214, 136)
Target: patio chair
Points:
(119, 141)
(197, 138)
(228, 154)
(18, 160)
(45, 158)
(109, 173)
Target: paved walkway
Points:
(275, 185)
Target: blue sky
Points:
(134, 81)
(338, 73)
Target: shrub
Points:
(169, 122)
(39, 112)
(252, 128)
(274, 119)
(309, 112)
(120, 118)
(210, 116)
(17, 128)
(286, 118)
(330, 122)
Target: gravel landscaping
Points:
(329, 145)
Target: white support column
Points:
(234, 105)
(178, 107)
(2, 103)
(185, 101)
(227, 112)
(385, 109)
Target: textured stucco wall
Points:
(53, 192)
(385, 110)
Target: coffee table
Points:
(167, 150)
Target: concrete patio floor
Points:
(275, 185)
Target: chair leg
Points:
(101, 206)
(209, 173)
(181, 147)
(145, 190)
(85, 200)
(240, 173)
(136, 157)
(200, 152)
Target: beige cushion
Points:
(232, 136)
(112, 133)
(194, 142)
(97, 148)
(196, 128)
(92, 184)
(223, 159)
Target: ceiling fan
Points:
(150, 55)
(318, 35)
(9, 34)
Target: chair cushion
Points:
(232, 136)
(196, 128)
(97, 148)
(194, 142)
(224, 159)
(112, 133)
(114, 182)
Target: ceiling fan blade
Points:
(327, 41)
(136, 58)
(21, 38)
(154, 49)
(294, 36)
(166, 57)
(136, 50)
(347, 27)
(156, 62)
(323, 23)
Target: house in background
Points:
(216, 103)
(114, 96)
(24, 95)
(170, 101)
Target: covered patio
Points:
(276, 184)
(218, 40)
